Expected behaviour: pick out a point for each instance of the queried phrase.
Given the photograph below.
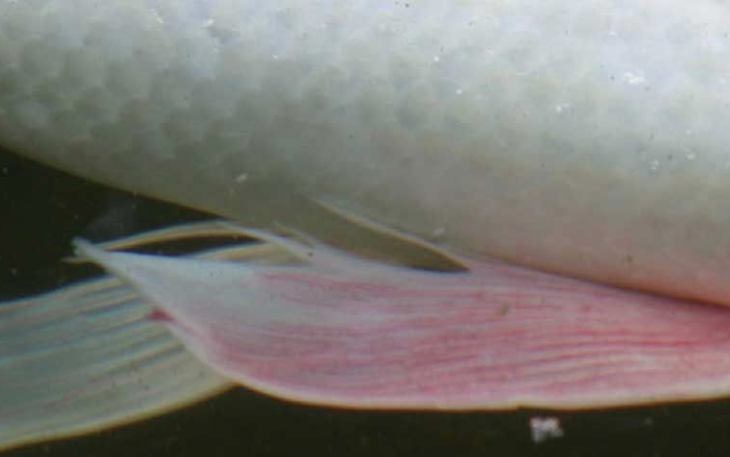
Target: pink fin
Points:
(353, 333)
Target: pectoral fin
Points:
(349, 332)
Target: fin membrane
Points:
(343, 331)
(87, 357)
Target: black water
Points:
(41, 210)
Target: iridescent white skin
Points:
(588, 138)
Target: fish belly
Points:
(585, 138)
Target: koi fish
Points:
(569, 159)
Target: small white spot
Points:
(242, 177)
(654, 165)
(438, 232)
(545, 428)
(633, 79)
(691, 156)
(436, 59)
(561, 107)
(459, 91)
(157, 16)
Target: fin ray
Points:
(495, 337)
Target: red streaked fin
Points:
(159, 316)
(352, 333)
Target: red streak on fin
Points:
(160, 316)
(359, 334)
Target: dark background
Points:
(41, 210)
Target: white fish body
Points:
(588, 138)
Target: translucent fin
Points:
(370, 336)
(311, 251)
(191, 230)
(297, 249)
(87, 357)
(388, 232)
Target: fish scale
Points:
(566, 136)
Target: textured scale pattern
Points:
(580, 137)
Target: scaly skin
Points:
(588, 138)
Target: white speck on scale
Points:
(561, 107)
(633, 79)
